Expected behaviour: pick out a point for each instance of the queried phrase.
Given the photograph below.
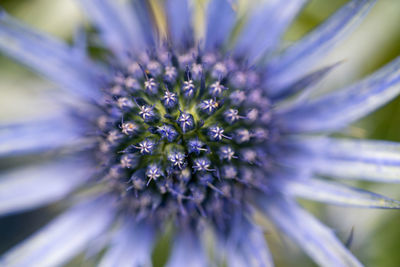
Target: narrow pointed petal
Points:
(38, 136)
(49, 57)
(338, 194)
(80, 47)
(220, 20)
(41, 184)
(63, 238)
(145, 19)
(248, 247)
(179, 15)
(187, 251)
(338, 109)
(297, 59)
(317, 240)
(117, 24)
(306, 83)
(369, 160)
(267, 22)
(130, 247)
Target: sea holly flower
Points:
(203, 133)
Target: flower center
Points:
(181, 134)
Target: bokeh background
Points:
(376, 239)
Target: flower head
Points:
(184, 130)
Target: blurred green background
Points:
(374, 43)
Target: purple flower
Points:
(201, 132)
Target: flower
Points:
(202, 133)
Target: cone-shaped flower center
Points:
(182, 134)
